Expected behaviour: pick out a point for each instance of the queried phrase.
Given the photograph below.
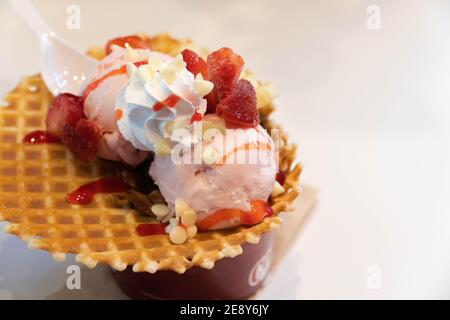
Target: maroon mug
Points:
(231, 278)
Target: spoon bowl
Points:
(63, 68)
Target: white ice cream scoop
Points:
(63, 68)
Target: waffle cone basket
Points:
(35, 179)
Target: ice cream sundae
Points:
(173, 166)
(196, 118)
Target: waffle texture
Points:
(35, 179)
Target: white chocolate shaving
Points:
(202, 87)
(277, 189)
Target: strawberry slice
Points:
(65, 108)
(134, 42)
(83, 138)
(224, 69)
(194, 63)
(211, 102)
(238, 108)
(66, 120)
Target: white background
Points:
(369, 109)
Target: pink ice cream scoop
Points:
(100, 103)
(234, 169)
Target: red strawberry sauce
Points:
(40, 137)
(149, 229)
(170, 102)
(84, 194)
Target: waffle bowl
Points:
(35, 179)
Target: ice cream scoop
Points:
(233, 170)
(100, 101)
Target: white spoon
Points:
(63, 68)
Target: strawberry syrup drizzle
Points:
(40, 137)
(246, 147)
(94, 84)
(149, 229)
(169, 102)
(196, 117)
(84, 194)
(260, 209)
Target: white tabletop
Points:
(369, 109)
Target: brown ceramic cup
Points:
(231, 278)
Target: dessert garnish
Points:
(66, 120)
(84, 194)
(131, 41)
(151, 229)
(40, 137)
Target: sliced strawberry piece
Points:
(134, 42)
(238, 108)
(211, 102)
(224, 69)
(65, 108)
(67, 121)
(194, 63)
(83, 138)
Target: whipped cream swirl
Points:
(159, 92)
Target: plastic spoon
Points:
(63, 68)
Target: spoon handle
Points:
(26, 10)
